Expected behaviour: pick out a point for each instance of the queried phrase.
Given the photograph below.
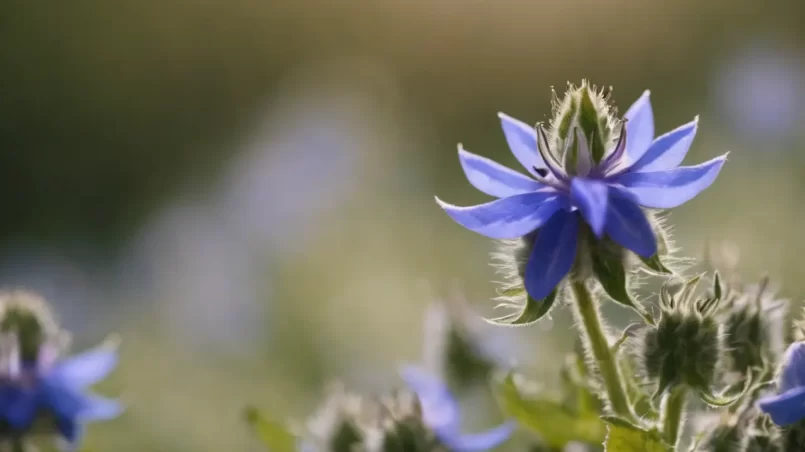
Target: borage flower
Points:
(601, 185)
(440, 412)
(788, 406)
(41, 392)
(55, 390)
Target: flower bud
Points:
(582, 127)
(337, 424)
(754, 328)
(456, 344)
(29, 318)
(684, 347)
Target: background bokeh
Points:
(244, 189)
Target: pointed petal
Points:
(553, 255)
(493, 178)
(522, 140)
(590, 196)
(640, 127)
(786, 408)
(628, 226)
(667, 151)
(70, 430)
(480, 441)
(59, 399)
(439, 406)
(507, 218)
(793, 374)
(97, 408)
(87, 368)
(668, 189)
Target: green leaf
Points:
(526, 314)
(610, 272)
(624, 437)
(272, 434)
(717, 289)
(640, 401)
(719, 400)
(553, 422)
(654, 264)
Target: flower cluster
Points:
(424, 418)
(577, 227)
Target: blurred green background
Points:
(244, 189)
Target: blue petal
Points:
(522, 140)
(480, 441)
(96, 408)
(18, 406)
(70, 430)
(86, 369)
(667, 189)
(793, 374)
(590, 196)
(667, 151)
(493, 178)
(439, 407)
(553, 255)
(627, 225)
(507, 218)
(639, 127)
(786, 408)
(61, 400)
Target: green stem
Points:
(672, 410)
(17, 445)
(599, 345)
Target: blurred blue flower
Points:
(57, 390)
(639, 171)
(760, 92)
(788, 406)
(441, 413)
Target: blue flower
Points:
(440, 412)
(605, 188)
(788, 406)
(58, 390)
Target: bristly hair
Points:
(601, 98)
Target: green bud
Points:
(456, 343)
(404, 427)
(30, 319)
(582, 126)
(684, 347)
(338, 424)
(753, 327)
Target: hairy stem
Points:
(587, 310)
(673, 407)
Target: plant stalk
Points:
(587, 310)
